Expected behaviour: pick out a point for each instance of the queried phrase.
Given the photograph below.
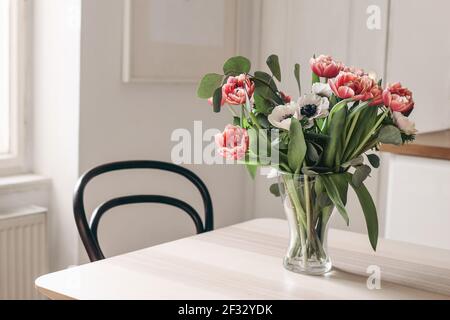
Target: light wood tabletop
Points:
(243, 261)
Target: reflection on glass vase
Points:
(308, 209)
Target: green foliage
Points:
(263, 105)
(390, 135)
(208, 85)
(297, 78)
(275, 189)
(336, 187)
(374, 160)
(365, 118)
(361, 173)
(333, 151)
(266, 79)
(297, 146)
(217, 99)
(237, 65)
(274, 66)
(369, 210)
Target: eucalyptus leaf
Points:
(297, 146)
(237, 65)
(274, 66)
(217, 99)
(209, 83)
(275, 189)
(263, 90)
(297, 78)
(266, 79)
(369, 210)
(374, 160)
(262, 105)
(361, 174)
(390, 135)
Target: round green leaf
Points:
(237, 65)
(274, 66)
(208, 85)
(374, 160)
(361, 173)
(390, 135)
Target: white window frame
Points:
(14, 162)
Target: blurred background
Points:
(85, 82)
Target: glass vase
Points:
(308, 209)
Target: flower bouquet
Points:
(319, 144)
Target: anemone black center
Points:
(309, 110)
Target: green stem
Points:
(369, 135)
(254, 120)
(350, 132)
(307, 207)
(295, 202)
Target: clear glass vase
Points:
(308, 209)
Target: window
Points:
(11, 85)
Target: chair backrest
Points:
(88, 231)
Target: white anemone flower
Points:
(404, 124)
(312, 106)
(322, 89)
(281, 115)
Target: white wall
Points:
(134, 121)
(419, 51)
(55, 101)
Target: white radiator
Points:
(23, 252)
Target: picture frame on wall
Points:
(177, 41)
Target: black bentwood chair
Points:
(88, 232)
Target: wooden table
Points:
(243, 261)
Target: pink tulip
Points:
(236, 90)
(325, 66)
(348, 85)
(358, 71)
(232, 143)
(398, 99)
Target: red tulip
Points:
(398, 99)
(359, 88)
(325, 66)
